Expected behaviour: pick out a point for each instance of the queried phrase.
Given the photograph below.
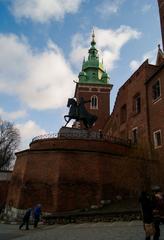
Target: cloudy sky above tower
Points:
(43, 44)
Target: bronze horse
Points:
(79, 112)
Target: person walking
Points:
(37, 214)
(158, 206)
(26, 219)
(147, 214)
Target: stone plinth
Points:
(73, 133)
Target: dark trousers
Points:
(147, 238)
(157, 229)
(25, 222)
(36, 220)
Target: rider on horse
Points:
(79, 112)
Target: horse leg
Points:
(85, 122)
(92, 120)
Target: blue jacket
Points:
(37, 212)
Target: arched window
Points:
(94, 102)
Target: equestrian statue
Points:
(78, 112)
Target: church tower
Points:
(94, 85)
(161, 13)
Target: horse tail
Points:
(67, 120)
(65, 116)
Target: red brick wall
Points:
(156, 120)
(79, 145)
(5, 177)
(16, 183)
(136, 84)
(80, 180)
(71, 174)
(121, 176)
(147, 121)
(34, 180)
(4, 186)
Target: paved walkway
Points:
(86, 231)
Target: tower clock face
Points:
(99, 74)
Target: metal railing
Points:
(45, 136)
(89, 135)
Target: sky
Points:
(43, 44)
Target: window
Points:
(156, 91)
(137, 103)
(135, 135)
(123, 114)
(94, 102)
(157, 139)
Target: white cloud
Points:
(12, 115)
(134, 64)
(109, 7)
(28, 131)
(44, 10)
(146, 8)
(109, 44)
(41, 80)
(151, 55)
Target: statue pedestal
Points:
(66, 132)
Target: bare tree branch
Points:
(9, 142)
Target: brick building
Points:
(139, 109)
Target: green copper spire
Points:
(93, 53)
(92, 69)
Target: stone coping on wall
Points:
(70, 139)
(83, 145)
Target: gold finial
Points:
(93, 42)
(93, 35)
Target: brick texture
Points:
(4, 186)
(64, 174)
(148, 120)
(103, 95)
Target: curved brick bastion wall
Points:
(5, 176)
(66, 174)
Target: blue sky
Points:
(43, 44)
